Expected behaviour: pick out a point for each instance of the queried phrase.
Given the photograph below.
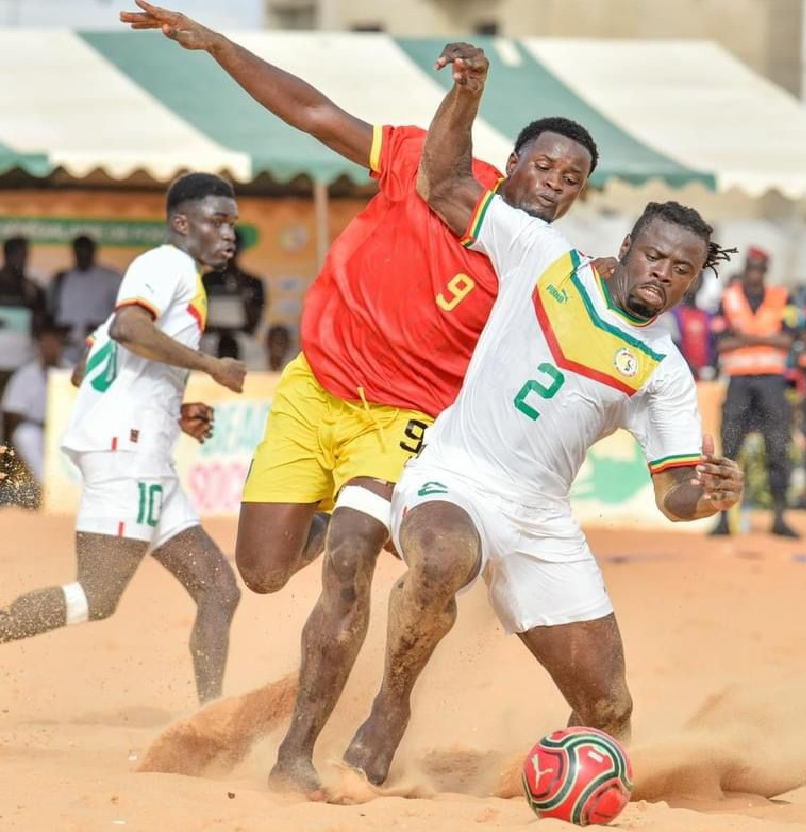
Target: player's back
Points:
(399, 304)
(125, 401)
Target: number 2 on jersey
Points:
(545, 391)
(459, 287)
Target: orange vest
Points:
(767, 320)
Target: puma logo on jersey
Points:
(560, 295)
(429, 488)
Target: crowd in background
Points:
(735, 328)
(44, 327)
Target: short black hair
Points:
(193, 187)
(13, 244)
(84, 240)
(565, 127)
(689, 218)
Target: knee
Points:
(443, 556)
(351, 555)
(226, 591)
(261, 574)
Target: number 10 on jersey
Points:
(545, 388)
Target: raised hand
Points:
(174, 25)
(470, 64)
(720, 478)
(197, 420)
(605, 266)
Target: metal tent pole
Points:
(322, 221)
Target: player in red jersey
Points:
(388, 328)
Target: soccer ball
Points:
(580, 775)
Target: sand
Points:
(716, 649)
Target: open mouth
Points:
(653, 294)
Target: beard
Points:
(640, 309)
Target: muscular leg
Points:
(194, 559)
(276, 540)
(106, 564)
(442, 548)
(333, 634)
(586, 662)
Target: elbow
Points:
(118, 330)
(660, 502)
(123, 328)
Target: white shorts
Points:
(536, 562)
(132, 495)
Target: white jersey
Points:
(126, 402)
(558, 366)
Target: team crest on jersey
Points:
(625, 362)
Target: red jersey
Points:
(399, 304)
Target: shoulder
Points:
(166, 257)
(673, 373)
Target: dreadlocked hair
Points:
(565, 127)
(689, 218)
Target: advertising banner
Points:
(613, 487)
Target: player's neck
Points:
(178, 241)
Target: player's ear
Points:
(512, 163)
(179, 223)
(625, 247)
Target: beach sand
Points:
(716, 650)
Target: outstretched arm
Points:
(445, 179)
(290, 98)
(133, 327)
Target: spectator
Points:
(278, 344)
(25, 398)
(756, 328)
(236, 301)
(228, 346)
(695, 336)
(83, 297)
(22, 305)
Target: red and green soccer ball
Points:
(579, 775)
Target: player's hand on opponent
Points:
(720, 478)
(605, 266)
(229, 373)
(197, 420)
(470, 64)
(174, 25)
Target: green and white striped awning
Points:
(124, 102)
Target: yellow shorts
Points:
(315, 443)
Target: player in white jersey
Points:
(126, 420)
(564, 360)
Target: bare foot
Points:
(373, 747)
(299, 775)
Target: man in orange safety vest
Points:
(755, 329)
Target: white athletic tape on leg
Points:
(75, 600)
(366, 501)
